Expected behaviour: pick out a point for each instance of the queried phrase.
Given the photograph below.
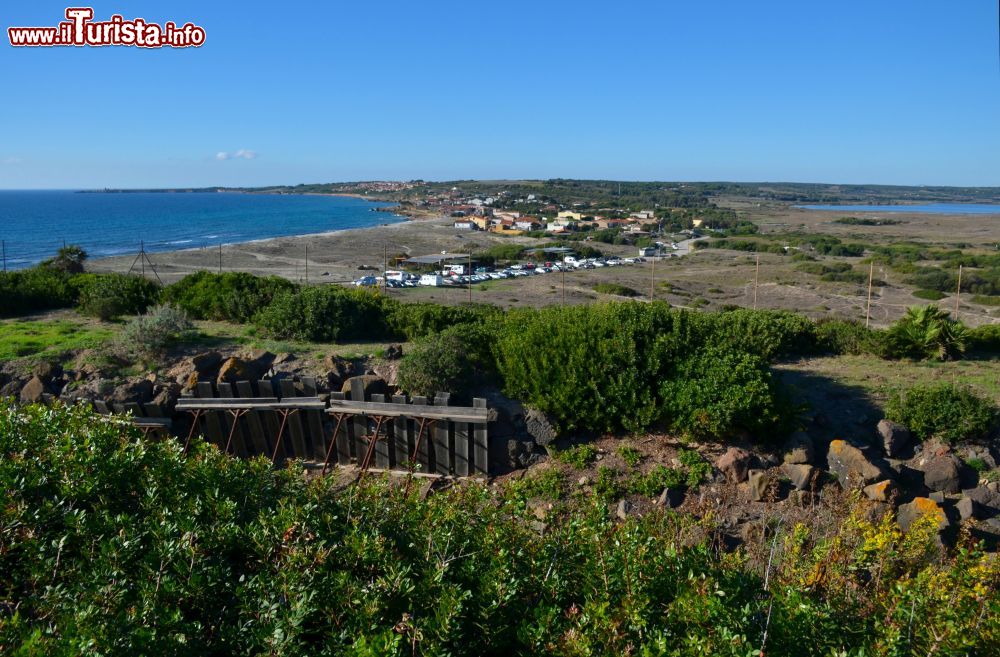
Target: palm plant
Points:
(927, 332)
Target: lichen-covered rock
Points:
(895, 437)
(373, 385)
(206, 362)
(735, 464)
(941, 473)
(798, 449)
(918, 508)
(236, 369)
(882, 491)
(851, 466)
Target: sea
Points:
(34, 224)
(929, 208)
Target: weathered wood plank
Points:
(294, 427)
(447, 413)
(212, 425)
(152, 410)
(383, 443)
(259, 444)
(480, 442)
(462, 452)
(343, 437)
(313, 420)
(258, 403)
(269, 420)
(102, 407)
(359, 424)
(402, 448)
(133, 408)
(424, 453)
(443, 452)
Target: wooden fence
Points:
(276, 419)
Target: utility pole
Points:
(756, 277)
(868, 306)
(470, 277)
(3, 243)
(142, 261)
(385, 269)
(220, 258)
(307, 264)
(563, 270)
(958, 292)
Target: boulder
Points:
(763, 487)
(47, 371)
(206, 362)
(802, 476)
(670, 498)
(966, 508)
(33, 390)
(263, 359)
(373, 385)
(539, 427)
(735, 464)
(882, 491)
(505, 416)
(520, 453)
(624, 509)
(919, 507)
(393, 352)
(895, 437)
(941, 473)
(338, 370)
(140, 392)
(237, 369)
(852, 467)
(987, 500)
(798, 449)
(166, 397)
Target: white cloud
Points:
(242, 154)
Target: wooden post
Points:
(756, 277)
(563, 270)
(958, 292)
(307, 264)
(470, 277)
(385, 269)
(220, 258)
(4, 244)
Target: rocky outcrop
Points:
(139, 391)
(802, 476)
(882, 491)
(236, 369)
(338, 370)
(895, 437)
(735, 464)
(372, 385)
(851, 466)
(34, 390)
(763, 486)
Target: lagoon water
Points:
(33, 224)
(930, 208)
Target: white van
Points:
(432, 280)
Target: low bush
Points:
(929, 295)
(926, 332)
(146, 338)
(35, 290)
(616, 289)
(771, 334)
(848, 337)
(943, 410)
(410, 321)
(985, 338)
(451, 361)
(325, 313)
(107, 296)
(231, 296)
(578, 456)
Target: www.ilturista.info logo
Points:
(79, 29)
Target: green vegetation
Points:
(944, 410)
(145, 338)
(447, 362)
(927, 332)
(107, 296)
(986, 299)
(615, 289)
(858, 221)
(630, 455)
(929, 295)
(324, 314)
(234, 296)
(48, 339)
(579, 456)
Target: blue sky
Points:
(892, 91)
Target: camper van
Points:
(433, 280)
(571, 260)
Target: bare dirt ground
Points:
(709, 278)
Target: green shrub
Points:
(986, 299)
(652, 483)
(34, 290)
(449, 361)
(837, 336)
(147, 337)
(717, 391)
(616, 289)
(985, 338)
(607, 487)
(325, 314)
(944, 410)
(232, 296)
(107, 296)
(630, 455)
(579, 456)
(768, 333)
(698, 469)
(410, 321)
(929, 295)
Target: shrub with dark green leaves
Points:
(449, 361)
(943, 410)
(410, 321)
(107, 296)
(717, 391)
(232, 296)
(770, 334)
(837, 336)
(985, 338)
(326, 313)
(926, 332)
(34, 290)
